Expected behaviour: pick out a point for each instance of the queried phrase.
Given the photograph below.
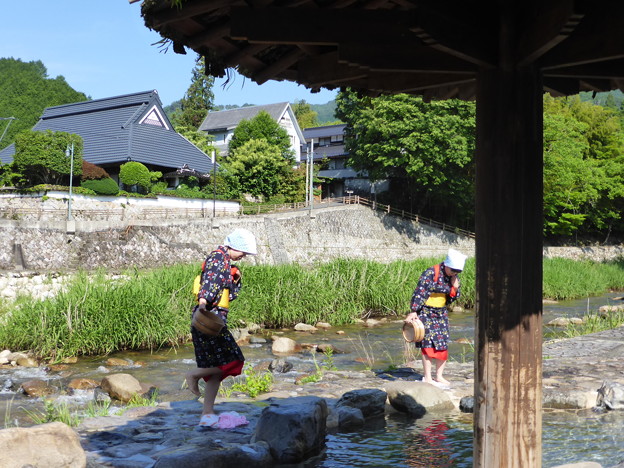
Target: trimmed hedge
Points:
(106, 186)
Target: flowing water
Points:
(394, 440)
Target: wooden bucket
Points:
(207, 322)
(414, 331)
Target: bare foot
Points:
(427, 380)
(442, 380)
(192, 384)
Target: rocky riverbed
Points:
(167, 434)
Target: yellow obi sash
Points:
(436, 300)
(224, 302)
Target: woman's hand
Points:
(411, 316)
(236, 274)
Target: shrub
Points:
(92, 172)
(106, 186)
(135, 173)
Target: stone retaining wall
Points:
(344, 231)
(304, 237)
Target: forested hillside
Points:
(25, 91)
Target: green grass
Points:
(592, 323)
(98, 314)
(570, 279)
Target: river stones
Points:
(122, 387)
(417, 398)
(56, 444)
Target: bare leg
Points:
(192, 377)
(426, 360)
(440, 365)
(210, 395)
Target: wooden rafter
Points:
(545, 26)
(585, 46)
(402, 58)
(317, 27)
(456, 31)
(191, 8)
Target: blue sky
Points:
(103, 49)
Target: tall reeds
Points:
(99, 313)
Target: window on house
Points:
(155, 118)
(337, 139)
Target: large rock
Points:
(122, 387)
(570, 400)
(52, 445)
(611, 396)
(294, 429)
(37, 388)
(417, 398)
(283, 345)
(371, 402)
(216, 455)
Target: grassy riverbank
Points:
(98, 314)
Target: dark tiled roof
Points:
(346, 173)
(326, 131)
(332, 151)
(112, 133)
(229, 119)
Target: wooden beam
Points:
(585, 45)
(276, 67)
(509, 200)
(611, 70)
(318, 27)
(249, 50)
(402, 58)
(191, 8)
(324, 70)
(209, 35)
(457, 30)
(562, 86)
(413, 83)
(545, 26)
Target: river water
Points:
(394, 440)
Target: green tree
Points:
(262, 127)
(198, 100)
(25, 91)
(583, 167)
(260, 168)
(426, 149)
(41, 156)
(306, 117)
(202, 140)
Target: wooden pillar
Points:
(508, 364)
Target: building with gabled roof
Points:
(115, 130)
(221, 124)
(339, 179)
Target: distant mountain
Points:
(606, 99)
(25, 91)
(326, 112)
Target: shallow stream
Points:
(394, 440)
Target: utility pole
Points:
(214, 184)
(311, 167)
(10, 119)
(69, 152)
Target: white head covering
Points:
(455, 260)
(242, 240)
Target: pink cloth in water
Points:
(231, 419)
